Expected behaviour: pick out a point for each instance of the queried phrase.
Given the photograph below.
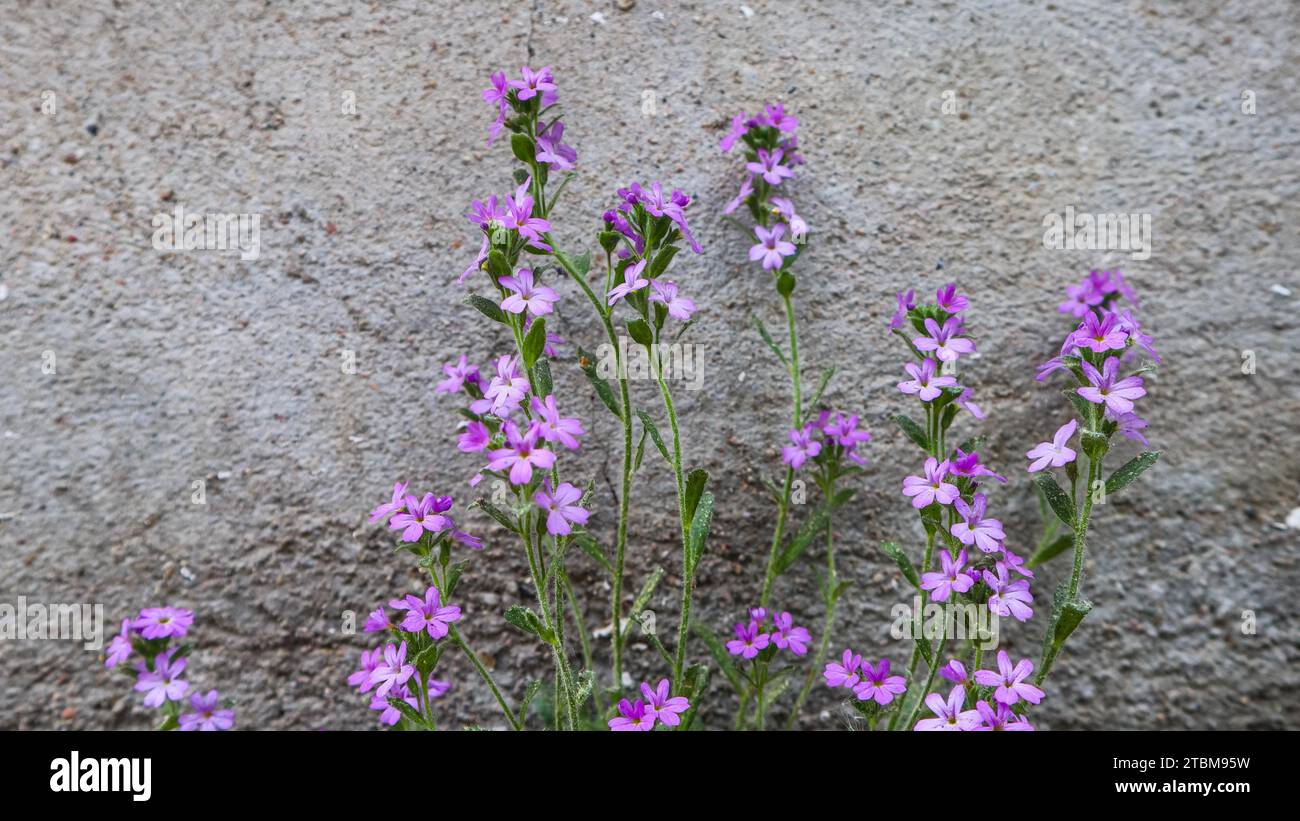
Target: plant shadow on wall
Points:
(965, 577)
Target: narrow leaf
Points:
(1130, 470)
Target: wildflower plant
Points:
(144, 650)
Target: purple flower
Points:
(521, 454)
(778, 119)
(746, 189)
(475, 438)
(556, 428)
(844, 432)
(1010, 681)
(377, 621)
(527, 295)
(1107, 388)
(390, 715)
(769, 166)
(163, 682)
(632, 281)
(748, 641)
(804, 447)
(534, 83)
(788, 636)
(771, 248)
(661, 707)
(1000, 717)
(1011, 561)
(397, 505)
(422, 515)
(1055, 452)
(924, 382)
(562, 506)
(519, 217)
(954, 671)
(949, 714)
(163, 622)
(551, 150)
(878, 685)
(967, 404)
(507, 389)
(932, 488)
(665, 293)
(785, 209)
(633, 717)
(739, 126)
(1131, 425)
(953, 578)
(944, 341)
(457, 375)
(986, 534)
(949, 300)
(968, 465)
(427, 615)
(1009, 598)
(498, 94)
(906, 302)
(119, 649)
(843, 673)
(393, 671)
(1100, 334)
(1129, 324)
(361, 679)
(1080, 300)
(207, 715)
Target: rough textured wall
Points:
(178, 367)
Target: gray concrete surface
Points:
(177, 367)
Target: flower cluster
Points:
(771, 155)
(1001, 696)
(423, 519)
(755, 638)
(158, 673)
(827, 441)
(657, 707)
(869, 682)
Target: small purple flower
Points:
(521, 454)
(632, 281)
(949, 714)
(562, 507)
(457, 375)
(393, 671)
(519, 217)
(506, 391)
(1000, 718)
(932, 488)
(397, 505)
(1129, 324)
(556, 428)
(771, 248)
(422, 515)
(527, 295)
(746, 190)
(924, 382)
(785, 209)
(378, 621)
(119, 649)
(748, 641)
(788, 636)
(428, 615)
(1013, 562)
(665, 709)
(475, 438)
(778, 119)
(769, 166)
(954, 671)
(361, 679)
(665, 293)
(968, 465)
(804, 447)
(1131, 425)
(1009, 598)
(1010, 681)
(1055, 452)
(949, 300)
(534, 83)
(953, 579)
(163, 622)
(551, 150)
(1100, 334)
(966, 403)
(844, 432)
(986, 534)
(1080, 300)
(498, 94)
(843, 673)
(163, 682)
(388, 714)
(944, 340)
(207, 715)
(1108, 389)
(906, 302)
(633, 717)
(739, 126)
(878, 685)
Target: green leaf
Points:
(522, 146)
(695, 482)
(640, 450)
(528, 621)
(972, 444)
(1130, 470)
(498, 265)
(574, 265)
(720, 655)
(893, 551)
(1067, 613)
(913, 431)
(1051, 550)
(776, 349)
(821, 386)
(529, 694)
(915, 351)
(659, 264)
(1095, 445)
(589, 546)
(585, 681)
(811, 528)
(696, 682)
(701, 521)
(643, 598)
(486, 307)
(408, 712)
(785, 283)
(640, 331)
(650, 428)
(923, 644)
(542, 373)
(453, 578)
(598, 382)
(534, 342)
(502, 518)
(427, 659)
(1059, 501)
(1081, 406)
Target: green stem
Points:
(824, 646)
(929, 682)
(783, 507)
(485, 675)
(688, 572)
